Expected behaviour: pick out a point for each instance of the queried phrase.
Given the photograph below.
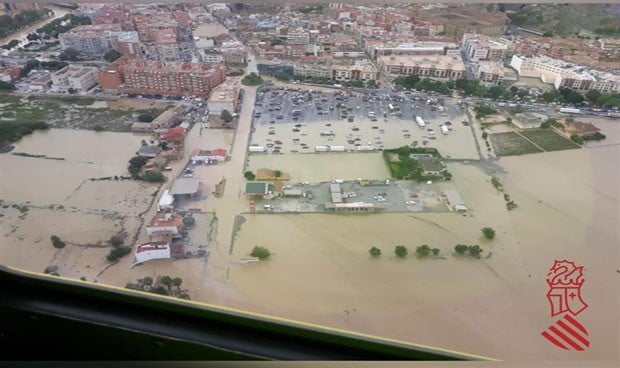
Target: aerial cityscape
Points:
(409, 171)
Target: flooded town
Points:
(266, 172)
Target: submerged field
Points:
(511, 144)
(549, 140)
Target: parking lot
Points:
(292, 121)
(399, 196)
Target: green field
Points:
(68, 112)
(511, 143)
(549, 140)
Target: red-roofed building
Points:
(165, 223)
(176, 134)
(581, 129)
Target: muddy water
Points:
(86, 154)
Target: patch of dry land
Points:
(43, 197)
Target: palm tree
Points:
(166, 281)
(177, 281)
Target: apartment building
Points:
(376, 48)
(91, 40)
(213, 57)
(361, 70)
(298, 36)
(78, 78)
(424, 66)
(224, 97)
(490, 72)
(478, 47)
(563, 74)
(150, 77)
(313, 70)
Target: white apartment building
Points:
(564, 74)
(481, 47)
(79, 78)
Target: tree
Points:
(116, 241)
(435, 251)
(69, 54)
(423, 251)
(576, 138)
(488, 232)
(166, 281)
(98, 128)
(147, 281)
(160, 290)
(56, 242)
(33, 37)
(117, 253)
(485, 135)
(177, 281)
(277, 173)
(226, 116)
(260, 252)
(401, 251)
(252, 79)
(249, 175)
(189, 221)
(154, 177)
(184, 296)
(111, 55)
(146, 118)
(461, 249)
(374, 251)
(135, 165)
(474, 251)
(6, 86)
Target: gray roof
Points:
(149, 151)
(257, 187)
(454, 197)
(185, 186)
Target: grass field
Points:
(66, 112)
(549, 140)
(511, 143)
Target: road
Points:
(232, 202)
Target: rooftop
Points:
(166, 220)
(185, 186)
(257, 187)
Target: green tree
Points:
(6, 86)
(260, 252)
(423, 251)
(166, 281)
(135, 165)
(576, 138)
(488, 232)
(111, 55)
(435, 251)
(461, 249)
(146, 118)
(56, 242)
(249, 175)
(184, 296)
(189, 221)
(474, 251)
(177, 281)
(226, 116)
(485, 135)
(374, 251)
(154, 176)
(252, 79)
(401, 251)
(147, 281)
(117, 253)
(160, 290)
(277, 173)
(69, 54)
(116, 241)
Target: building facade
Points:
(428, 66)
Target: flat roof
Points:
(185, 186)
(454, 198)
(257, 187)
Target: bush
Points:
(576, 138)
(146, 118)
(461, 249)
(252, 79)
(154, 177)
(374, 251)
(226, 116)
(117, 253)
(56, 242)
(116, 241)
(260, 252)
(249, 175)
(488, 232)
(423, 251)
(189, 221)
(401, 251)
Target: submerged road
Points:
(232, 202)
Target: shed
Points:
(454, 200)
(185, 186)
(166, 201)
